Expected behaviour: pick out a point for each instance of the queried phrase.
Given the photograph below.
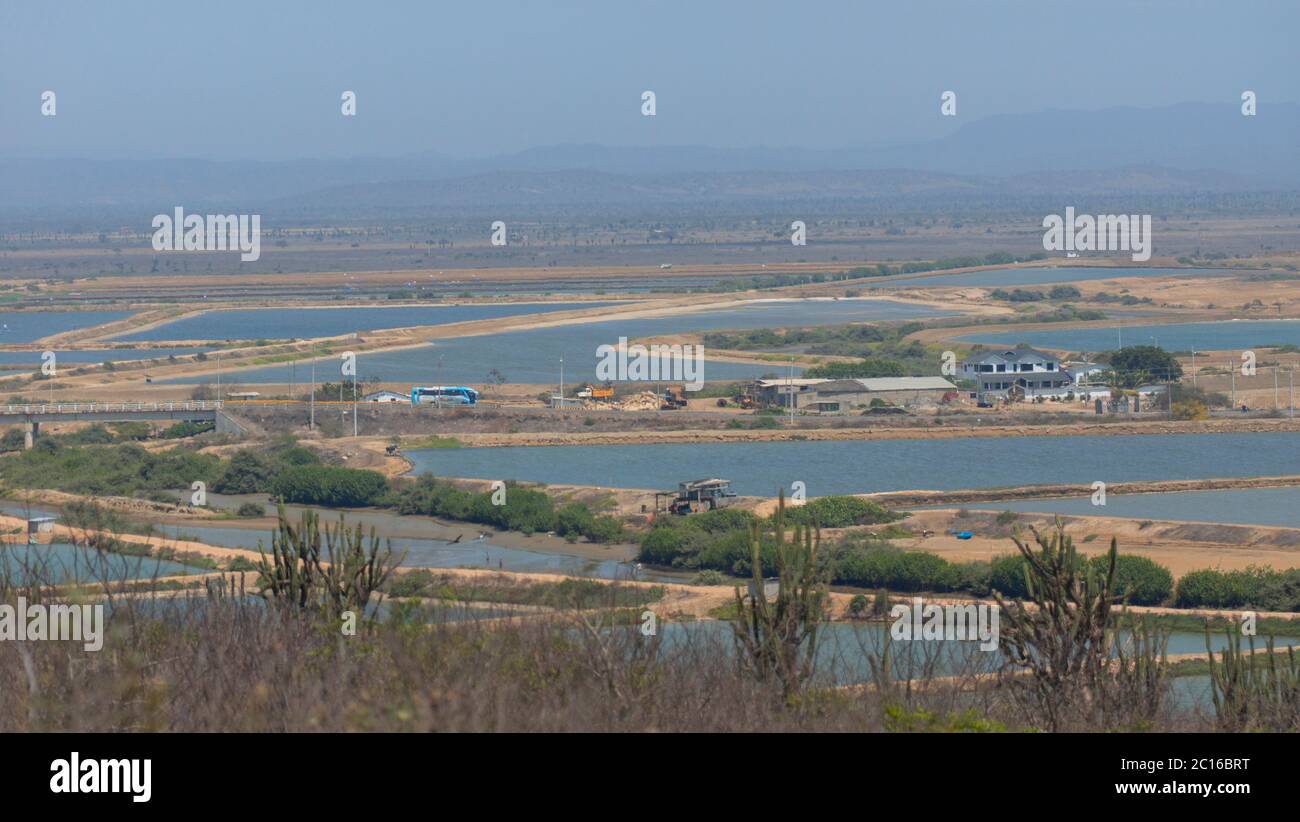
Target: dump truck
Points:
(597, 392)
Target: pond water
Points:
(533, 356)
(26, 326)
(422, 552)
(866, 466)
(60, 563)
(846, 650)
(297, 323)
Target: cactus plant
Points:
(342, 579)
(777, 638)
(1061, 641)
(1254, 691)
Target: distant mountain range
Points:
(1182, 149)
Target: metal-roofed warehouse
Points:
(893, 390)
(841, 395)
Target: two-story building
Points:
(1033, 373)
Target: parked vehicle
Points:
(443, 395)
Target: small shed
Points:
(696, 495)
(40, 530)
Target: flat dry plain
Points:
(1178, 546)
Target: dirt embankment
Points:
(906, 499)
(945, 433)
(125, 505)
(487, 426)
(80, 536)
(139, 321)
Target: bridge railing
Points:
(111, 407)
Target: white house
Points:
(1034, 373)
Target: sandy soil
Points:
(1164, 542)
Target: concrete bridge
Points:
(32, 415)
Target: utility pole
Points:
(1291, 392)
(1275, 368)
(218, 376)
(1233, 369)
(561, 380)
(311, 426)
(437, 379)
(790, 392)
(1193, 368)
(354, 402)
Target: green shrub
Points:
(131, 431)
(185, 428)
(720, 520)
(730, 552)
(708, 577)
(840, 512)
(1007, 575)
(894, 569)
(574, 519)
(1262, 588)
(110, 470)
(13, 439)
(322, 485)
(527, 510)
(1138, 580)
(866, 368)
(246, 472)
(664, 545)
(604, 528)
(90, 435)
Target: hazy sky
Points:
(263, 79)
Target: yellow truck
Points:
(597, 392)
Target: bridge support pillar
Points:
(31, 431)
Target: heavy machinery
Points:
(695, 495)
(674, 397)
(743, 398)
